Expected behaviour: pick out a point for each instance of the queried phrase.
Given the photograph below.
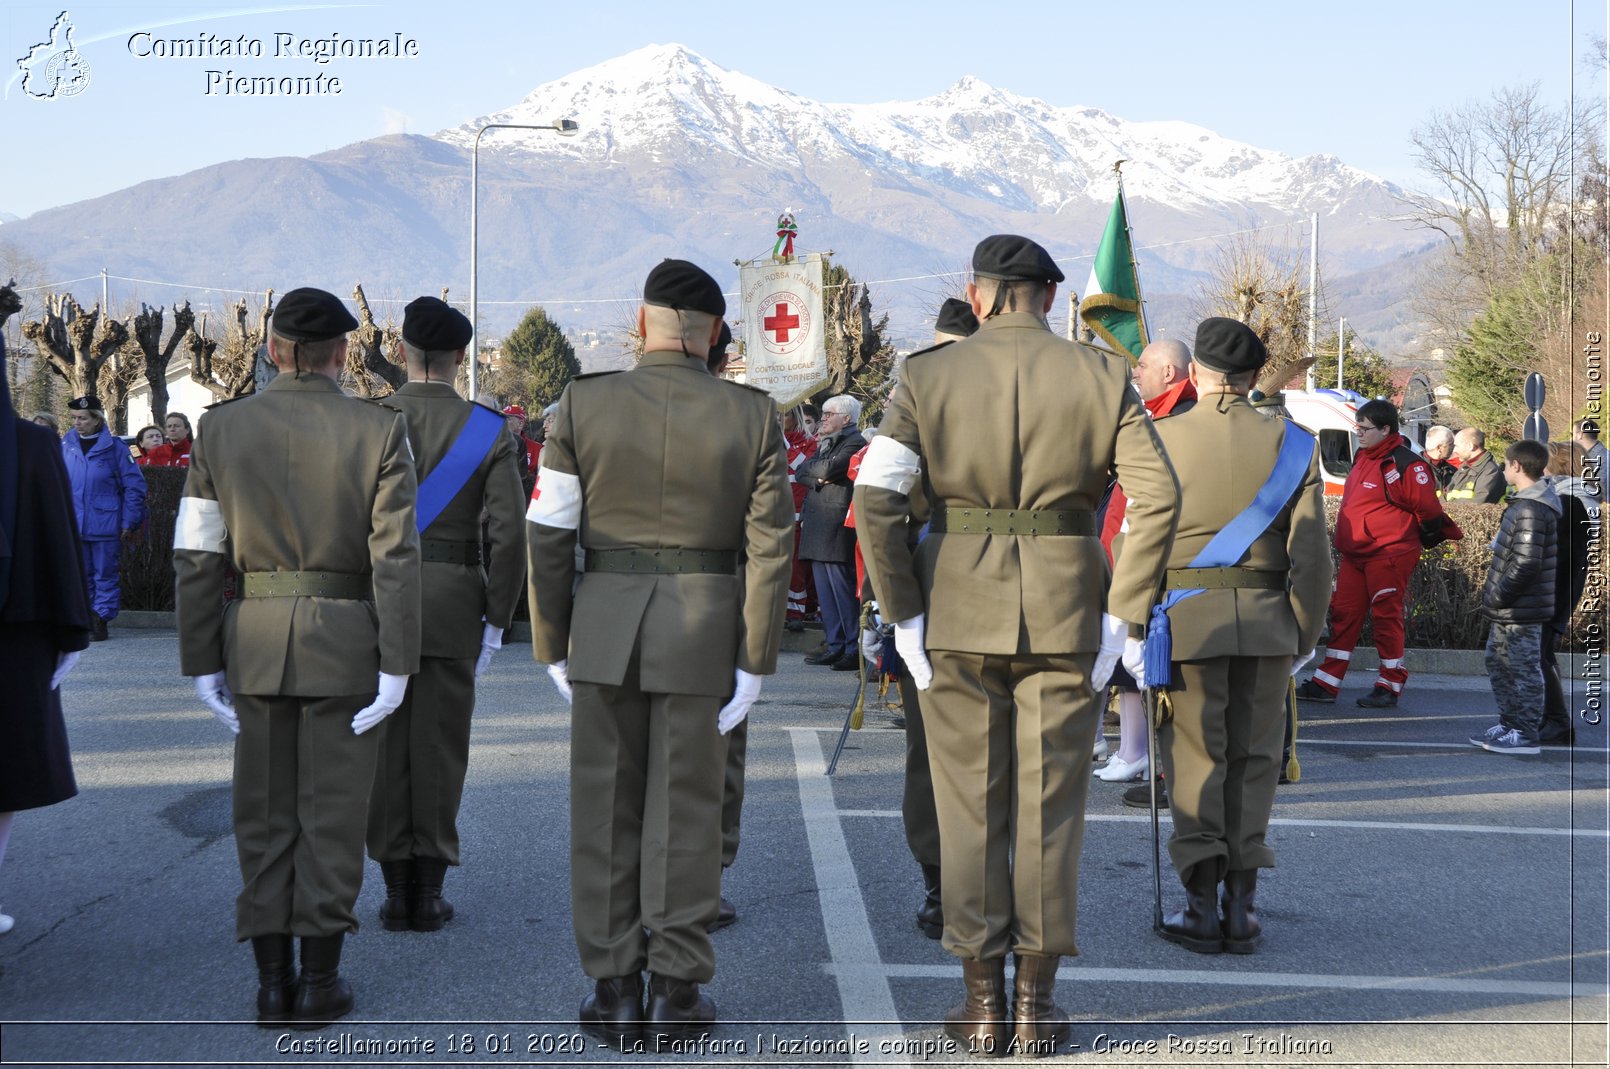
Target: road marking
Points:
(1071, 973)
(853, 959)
(1304, 822)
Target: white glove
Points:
(1114, 632)
(1299, 662)
(909, 637)
(1135, 660)
(214, 693)
(64, 664)
(389, 696)
(559, 672)
(491, 642)
(871, 645)
(745, 689)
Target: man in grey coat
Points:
(823, 539)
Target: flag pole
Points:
(1134, 265)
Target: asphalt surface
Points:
(1434, 904)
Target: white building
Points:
(184, 395)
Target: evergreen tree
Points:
(1364, 370)
(859, 359)
(537, 363)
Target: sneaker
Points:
(1310, 691)
(1510, 742)
(1378, 698)
(1487, 736)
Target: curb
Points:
(1424, 662)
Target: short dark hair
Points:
(1533, 457)
(1589, 427)
(1379, 413)
(811, 411)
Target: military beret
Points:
(85, 404)
(432, 324)
(685, 287)
(956, 317)
(1228, 346)
(720, 347)
(1014, 259)
(308, 314)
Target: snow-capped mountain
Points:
(677, 155)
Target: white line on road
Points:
(853, 959)
(1301, 822)
(1236, 978)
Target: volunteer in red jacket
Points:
(1390, 493)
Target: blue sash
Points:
(446, 479)
(1237, 536)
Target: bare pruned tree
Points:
(77, 343)
(1264, 284)
(10, 303)
(374, 356)
(155, 354)
(228, 370)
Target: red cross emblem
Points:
(780, 322)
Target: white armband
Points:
(556, 502)
(889, 465)
(200, 526)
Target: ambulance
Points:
(1331, 415)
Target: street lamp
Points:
(565, 128)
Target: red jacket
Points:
(801, 447)
(1182, 395)
(1370, 524)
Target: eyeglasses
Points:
(1365, 428)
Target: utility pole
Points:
(1341, 349)
(1313, 293)
(106, 301)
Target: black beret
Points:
(432, 324)
(956, 317)
(1228, 346)
(685, 287)
(1015, 259)
(720, 347)
(308, 314)
(85, 404)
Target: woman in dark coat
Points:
(824, 541)
(44, 616)
(109, 498)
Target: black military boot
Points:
(1039, 1025)
(397, 911)
(931, 914)
(677, 1008)
(614, 1011)
(1197, 927)
(1241, 927)
(979, 1022)
(97, 628)
(276, 978)
(321, 995)
(430, 909)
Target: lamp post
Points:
(565, 128)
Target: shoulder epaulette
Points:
(930, 349)
(227, 401)
(746, 386)
(597, 374)
(381, 403)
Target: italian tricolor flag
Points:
(1112, 306)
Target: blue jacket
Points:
(108, 489)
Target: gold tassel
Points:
(1294, 771)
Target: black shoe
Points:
(822, 656)
(931, 914)
(850, 662)
(794, 625)
(1239, 919)
(677, 1008)
(1378, 698)
(97, 628)
(614, 1011)
(1197, 927)
(430, 911)
(1141, 797)
(321, 995)
(1309, 691)
(276, 978)
(396, 913)
(727, 914)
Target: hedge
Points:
(1444, 592)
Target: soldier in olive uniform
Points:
(732, 791)
(467, 470)
(1014, 433)
(1237, 643)
(678, 615)
(309, 496)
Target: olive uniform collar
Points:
(307, 380)
(431, 388)
(673, 358)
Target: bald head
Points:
(1161, 365)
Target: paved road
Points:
(1435, 904)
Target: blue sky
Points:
(1349, 80)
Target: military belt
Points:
(1223, 579)
(644, 561)
(953, 520)
(432, 550)
(306, 585)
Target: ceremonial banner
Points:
(785, 336)
(1112, 305)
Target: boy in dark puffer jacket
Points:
(1519, 600)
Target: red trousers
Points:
(801, 587)
(1375, 585)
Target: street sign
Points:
(1534, 391)
(1536, 428)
